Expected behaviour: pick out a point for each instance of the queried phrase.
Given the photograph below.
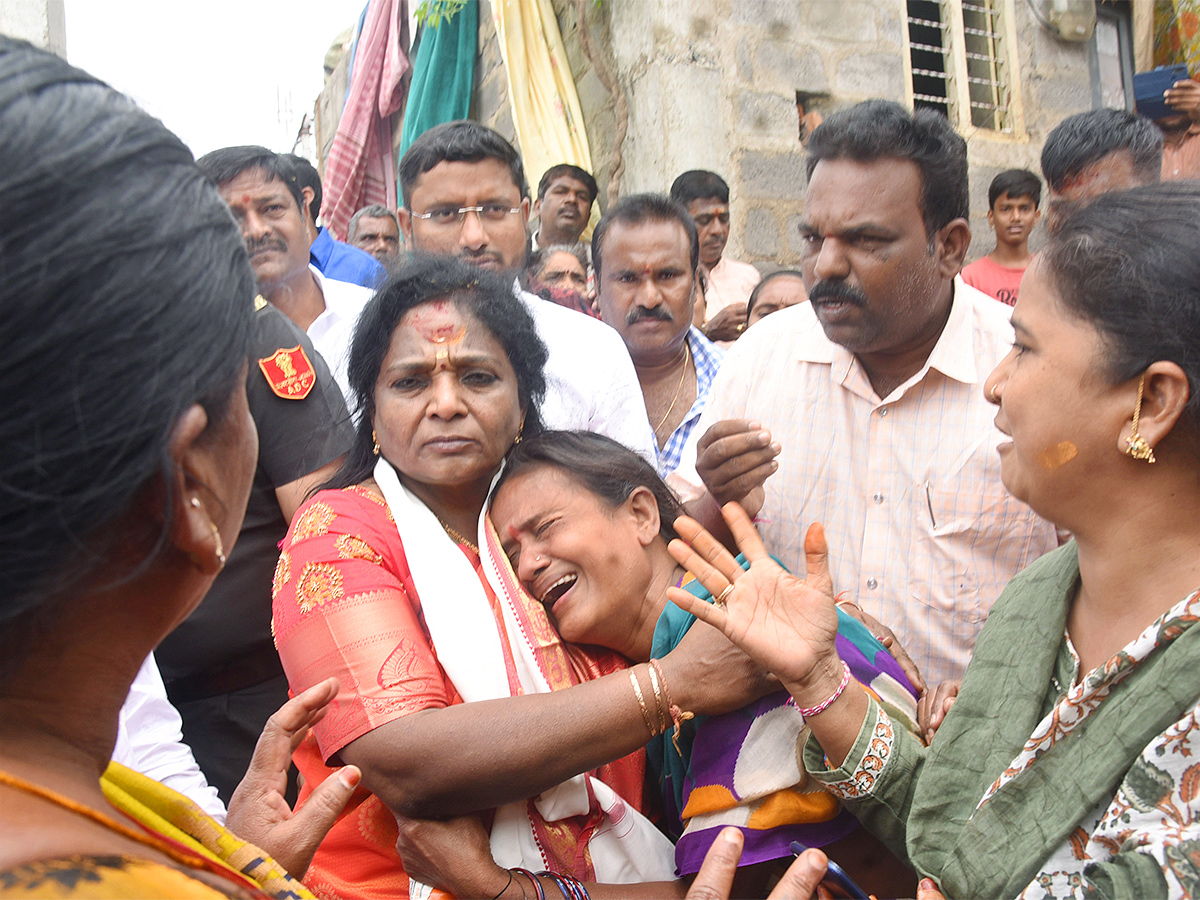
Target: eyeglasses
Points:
(447, 215)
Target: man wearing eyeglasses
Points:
(465, 195)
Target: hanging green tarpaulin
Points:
(443, 72)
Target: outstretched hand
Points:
(258, 811)
(786, 624)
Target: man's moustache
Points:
(657, 313)
(253, 247)
(836, 290)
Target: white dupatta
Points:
(626, 848)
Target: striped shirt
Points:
(707, 356)
(922, 532)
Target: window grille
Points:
(927, 50)
(960, 61)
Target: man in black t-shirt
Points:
(220, 666)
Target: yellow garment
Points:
(104, 878)
(174, 816)
(541, 90)
(1177, 34)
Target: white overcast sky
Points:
(217, 72)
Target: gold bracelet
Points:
(637, 689)
(659, 693)
(678, 716)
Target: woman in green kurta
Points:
(1070, 763)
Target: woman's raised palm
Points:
(786, 624)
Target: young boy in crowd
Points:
(1013, 200)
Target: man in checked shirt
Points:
(864, 409)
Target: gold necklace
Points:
(682, 375)
(457, 537)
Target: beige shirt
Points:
(922, 533)
(1181, 159)
(729, 281)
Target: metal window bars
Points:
(959, 62)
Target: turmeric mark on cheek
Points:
(1057, 455)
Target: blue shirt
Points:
(341, 262)
(707, 356)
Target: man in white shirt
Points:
(263, 192)
(874, 394)
(465, 195)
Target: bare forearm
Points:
(837, 726)
(475, 756)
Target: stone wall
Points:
(714, 85)
(489, 94)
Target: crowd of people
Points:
(550, 567)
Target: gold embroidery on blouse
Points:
(283, 574)
(351, 547)
(319, 583)
(313, 521)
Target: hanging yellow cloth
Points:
(541, 90)
(1177, 34)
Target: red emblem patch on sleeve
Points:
(289, 373)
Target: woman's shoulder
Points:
(343, 510)
(108, 876)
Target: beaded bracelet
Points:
(809, 712)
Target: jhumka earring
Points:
(375, 440)
(1135, 444)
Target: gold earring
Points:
(220, 548)
(375, 440)
(1135, 444)
(520, 430)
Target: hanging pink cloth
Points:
(359, 171)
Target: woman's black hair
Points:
(484, 296)
(1128, 263)
(127, 298)
(767, 279)
(609, 470)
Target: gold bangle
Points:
(659, 692)
(678, 716)
(637, 689)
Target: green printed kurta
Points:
(1038, 786)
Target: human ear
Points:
(644, 508)
(195, 510)
(537, 207)
(1165, 394)
(405, 218)
(953, 239)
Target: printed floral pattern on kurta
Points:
(1155, 810)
